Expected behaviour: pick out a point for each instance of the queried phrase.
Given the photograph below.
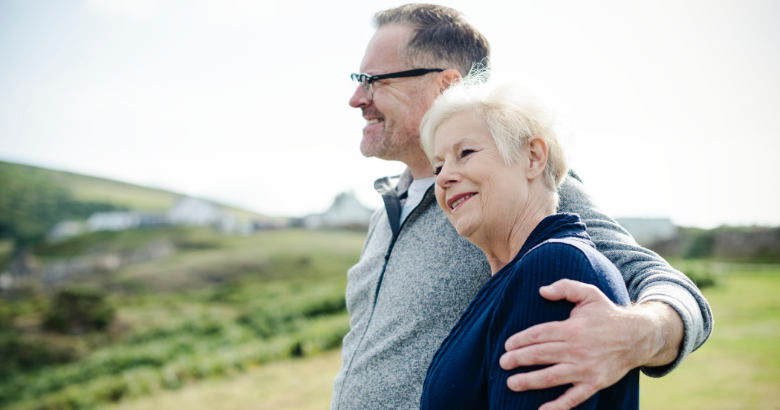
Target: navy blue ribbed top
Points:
(465, 373)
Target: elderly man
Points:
(416, 275)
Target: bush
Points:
(702, 245)
(702, 278)
(7, 316)
(18, 355)
(79, 310)
(267, 321)
(119, 373)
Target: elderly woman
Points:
(499, 163)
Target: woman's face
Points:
(478, 191)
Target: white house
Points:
(65, 229)
(113, 221)
(346, 212)
(194, 212)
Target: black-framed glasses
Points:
(366, 80)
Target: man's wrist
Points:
(666, 336)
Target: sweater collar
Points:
(398, 184)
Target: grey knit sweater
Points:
(414, 281)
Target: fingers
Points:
(541, 333)
(572, 398)
(552, 376)
(538, 354)
(571, 290)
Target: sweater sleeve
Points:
(648, 276)
(520, 307)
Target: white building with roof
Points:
(194, 212)
(346, 212)
(113, 221)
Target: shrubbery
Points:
(702, 279)
(79, 310)
(275, 321)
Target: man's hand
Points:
(595, 347)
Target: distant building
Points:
(65, 229)
(149, 220)
(647, 231)
(186, 211)
(346, 212)
(195, 212)
(113, 221)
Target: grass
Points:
(267, 255)
(217, 307)
(738, 368)
(214, 326)
(205, 258)
(300, 384)
(95, 189)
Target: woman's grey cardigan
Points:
(413, 282)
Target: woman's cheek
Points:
(440, 199)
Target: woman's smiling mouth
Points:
(456, 201)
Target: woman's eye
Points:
(466, 152)
(436, 170)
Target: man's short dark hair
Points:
(442, 37)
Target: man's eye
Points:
(436, 170)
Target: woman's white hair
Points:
(512, 116)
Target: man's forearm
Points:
(667, 335)
(649, 278)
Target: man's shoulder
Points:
(571, 192)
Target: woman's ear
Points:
(536, 149)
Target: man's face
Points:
(393, 117)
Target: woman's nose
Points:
(447, 176)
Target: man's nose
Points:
(359, 98)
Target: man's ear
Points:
(536, 149)
(447, 78)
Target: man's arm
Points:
(648, 276)
(670, 319)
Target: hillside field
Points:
(255, 322)
(737, 369)
(217, 307)
(34, 199)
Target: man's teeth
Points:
(374, 121)
(456, 203)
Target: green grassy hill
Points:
(86, 188)
(105, 316)
(217, 306)
(32, 199)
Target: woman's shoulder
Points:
(570, 258)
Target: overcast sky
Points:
(673, 106)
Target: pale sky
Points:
(673, 106)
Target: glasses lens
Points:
(368, 89)
(365, 83)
